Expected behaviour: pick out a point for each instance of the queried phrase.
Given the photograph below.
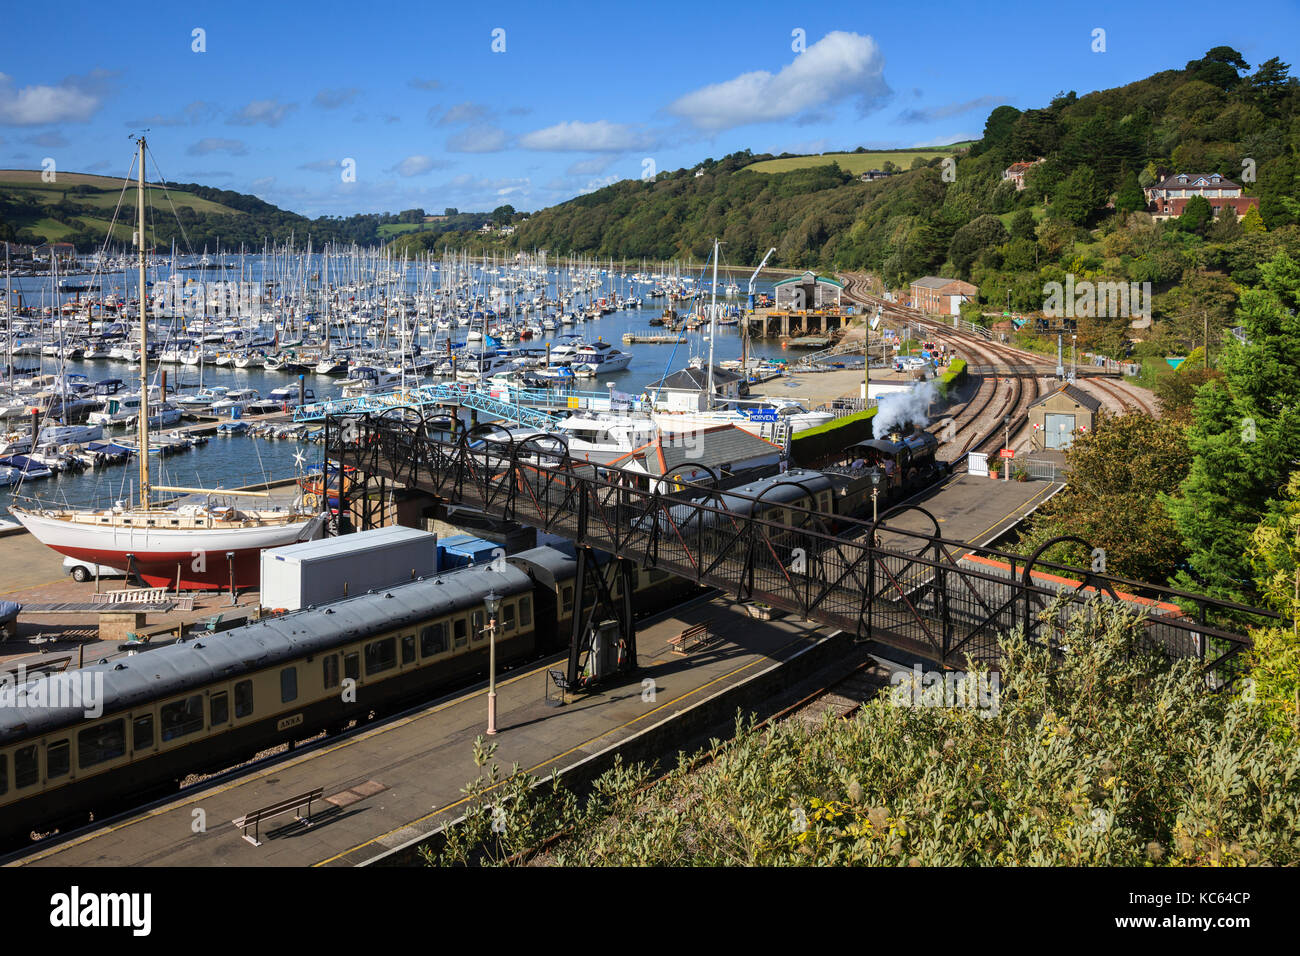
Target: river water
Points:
(233, 462)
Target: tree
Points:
(1253, 221)
(1118, 473)
(1197, 214)
(1078, 196)
(1275, 658)
(1023, 225)
(981, 233)
(890, 167)
(1220, 67)
(1130, 197)
(451, 211)
(502, 214)
(1175, 390)
(1245, 437)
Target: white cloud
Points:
(419, 84)
(271, 112)
(601, 136)
(332, 99)
(417, 165)
(467, 112)
(322, 166)
(478, 139)
(194, 113)
(266, 182)
(948, 109)
(51, 140)
(838, 66)
(74, 100)
(210, 144)
(590, 167)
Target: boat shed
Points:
(1058, 416)
(687, 389)
(808, 291)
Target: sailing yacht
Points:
(199, 546)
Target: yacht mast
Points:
(713, 322)
(143, 450)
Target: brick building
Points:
(940, 296)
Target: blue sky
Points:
(582, 95)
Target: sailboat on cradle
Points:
(192, 547)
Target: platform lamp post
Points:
(492, 604)
(875, 490)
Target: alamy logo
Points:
(77, 909)
(82, 690)
(918, 688)
(1102, 300)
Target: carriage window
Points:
(243, 698)
(27, 768)
(105, 742)
(408, 648)
(460, 632)
(508, 617)
(181, 717)
(566, 598)
(57, 759)
(525, 611)
(433, 640)
(220, 704)
(476, 624)
(352, 666)
(288, 685)
(330, 662)
(381, 655)
(142, 734)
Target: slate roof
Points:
(1075, 393)
(696, 378)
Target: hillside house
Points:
(1016, 172)
(1167, 198)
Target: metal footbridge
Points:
(939, 599)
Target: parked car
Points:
(82, 570)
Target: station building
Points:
(1058, 416)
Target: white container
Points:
(320, 572)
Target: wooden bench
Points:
(691, 637)
(255, 818)
(150, 596)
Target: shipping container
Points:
(319, 572)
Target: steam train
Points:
(213, 702)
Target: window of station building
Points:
(27, 767)
(408, 648)
(288, 685)
(525, 611)
(243, 698)
(476, 625)
(508, 617)
(142, 729)
(381, 655)
(181, 717)
(107, 741)
(330, 664)
(460, 632)
(433, 639)
(220, 707)
(58, 759)
(352, 666)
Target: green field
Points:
(854, 163)
(28, 182)
(396, 228)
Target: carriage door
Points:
(1060, 430)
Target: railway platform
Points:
(975, 509)
(389, 785)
